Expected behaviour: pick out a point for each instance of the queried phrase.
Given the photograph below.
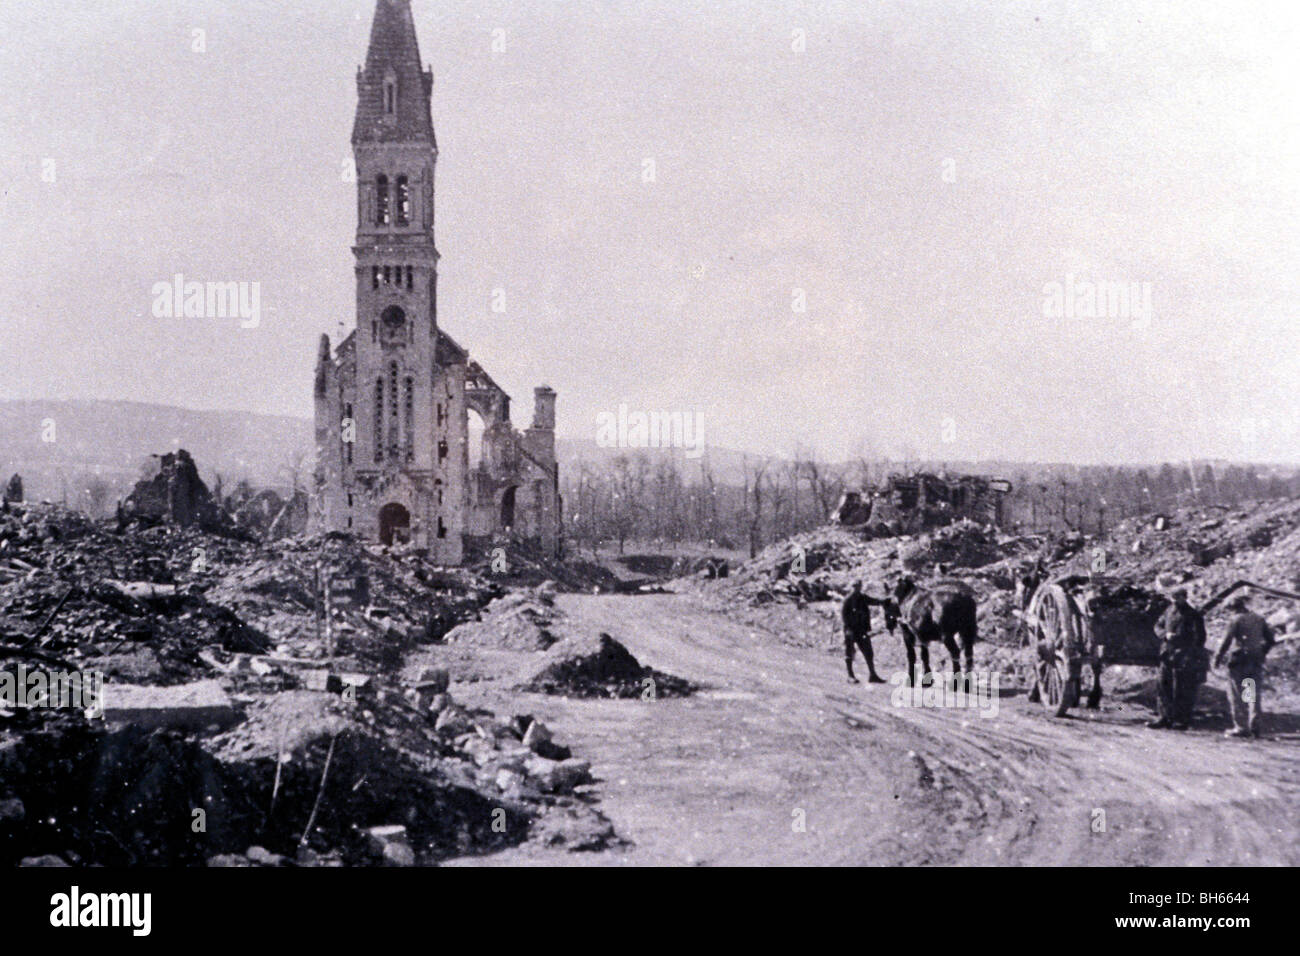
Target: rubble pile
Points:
(964, 544)
(197, 630)
(822, 565)
(1203, 549)
(520, 621)
(599, 666)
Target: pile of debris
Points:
(520, 621)
(1203, 549)
(964, 544)
(599, 666)
(375, 777)
(296, 643)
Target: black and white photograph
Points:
(642, 434)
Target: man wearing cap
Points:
(1182, 651)
(1244, 647)
(856, 615)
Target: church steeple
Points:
(393, 88)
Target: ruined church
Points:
(396, 459)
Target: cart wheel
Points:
(1059, 691)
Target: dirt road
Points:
(780, 761)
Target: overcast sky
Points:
(918, 174)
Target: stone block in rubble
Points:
(536, 736)
(398, 854)
(432, 684)
(261, 856)
(514, 758)
(453, 721)
(557, 776)
(14, 489)
(389, 843)
(329, 682)
(509, 780)
(379, 837)
(480, 750)
(187, 706)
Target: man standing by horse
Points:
(856, 616)
(1182, 663)
(1244, 647)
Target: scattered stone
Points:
(507, 779)
(556, 776)
(389, 843)
(264, 857)
(536, 735)
(193, 706)
(398, 854)
(453, 720)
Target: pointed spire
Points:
(393, 88)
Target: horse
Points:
(942, 611)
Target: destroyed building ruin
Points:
(174, 493)
(394, 398)
(910, 503)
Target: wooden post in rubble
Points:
(319, 592)
(329, 621)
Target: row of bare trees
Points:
(635, 498)
(670, 504)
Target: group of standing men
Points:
(1184, 664)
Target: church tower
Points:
(393, 399)
(396, 259)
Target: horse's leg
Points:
(954, 654)
(1094, 695)
(909, 644)
(968, 634)
(926, 676)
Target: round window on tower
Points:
(393, 323)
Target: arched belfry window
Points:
(390, 94)
(403, 201)
(382, 208)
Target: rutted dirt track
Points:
(778, 738)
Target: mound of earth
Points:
(961, 545)
(599, 666)
(521, 621)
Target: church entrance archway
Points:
(394, 524)
(508, 508)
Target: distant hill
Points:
(112, 441)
